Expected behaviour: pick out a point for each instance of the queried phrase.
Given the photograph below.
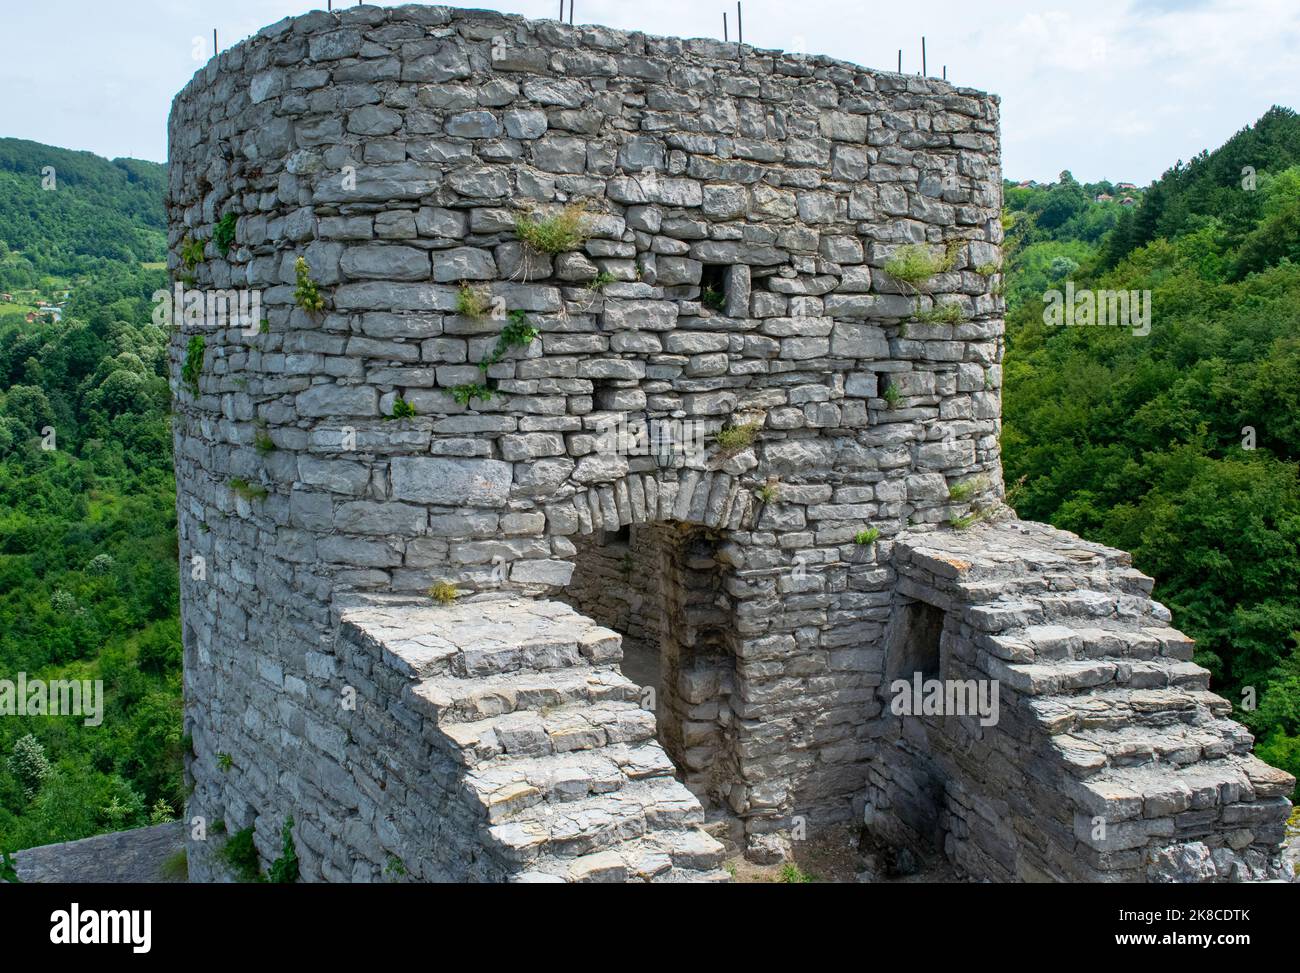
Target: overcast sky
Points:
(1110, 89)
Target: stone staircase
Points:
(1128, 714)
(1118, 714)
(557, 754)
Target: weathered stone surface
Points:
(452, 482)
(139, 856)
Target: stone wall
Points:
(1109, 760)
(738, 209)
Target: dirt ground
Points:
(833, 855)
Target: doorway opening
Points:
(662, 588)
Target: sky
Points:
(1109, 89)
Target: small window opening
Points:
(713, 286)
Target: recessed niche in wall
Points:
(919, 647)
(713, 286)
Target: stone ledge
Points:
(123, 857)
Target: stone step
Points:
(1092, 751)
(584, 827)
(556, 647)
(1041, 643)
(1150, 791)
(1083, 608)
(479, 638)
(506, 787)
(469, 700)
(660, 857)
(1120, 580)
(526, 734)
(1122, 706)
(1057, 677)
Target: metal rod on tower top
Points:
(740, 24)
(725, 35)
(924, 71)
(215, 49)
(561, 11)
(900, 60)
(945, 72)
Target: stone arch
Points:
(705, 498)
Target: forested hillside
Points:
(64, 214)
(88, 576)
(1180, 446)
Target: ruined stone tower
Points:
(745, 417)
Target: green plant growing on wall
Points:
(969, 520)
(225, 761)
(394, 868)
(401, 409)
(713, 299)
(960, 492)
(465, 394)
(249, 491)
(557, 233)
(240, 854)
(865, 537)
(223, 234)
(988, 270)
(192, 367)
(915, 265)
(444, 593)
(473, 302)
(175, 867)
(769, 492)
(263, 442)
(735, 439)
(307, 293)
(947, 313)
(284, 870)
(892, 395)
(9, 869)
(518, 333)
(602, 278)
(191, 253)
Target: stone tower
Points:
(596, 336)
